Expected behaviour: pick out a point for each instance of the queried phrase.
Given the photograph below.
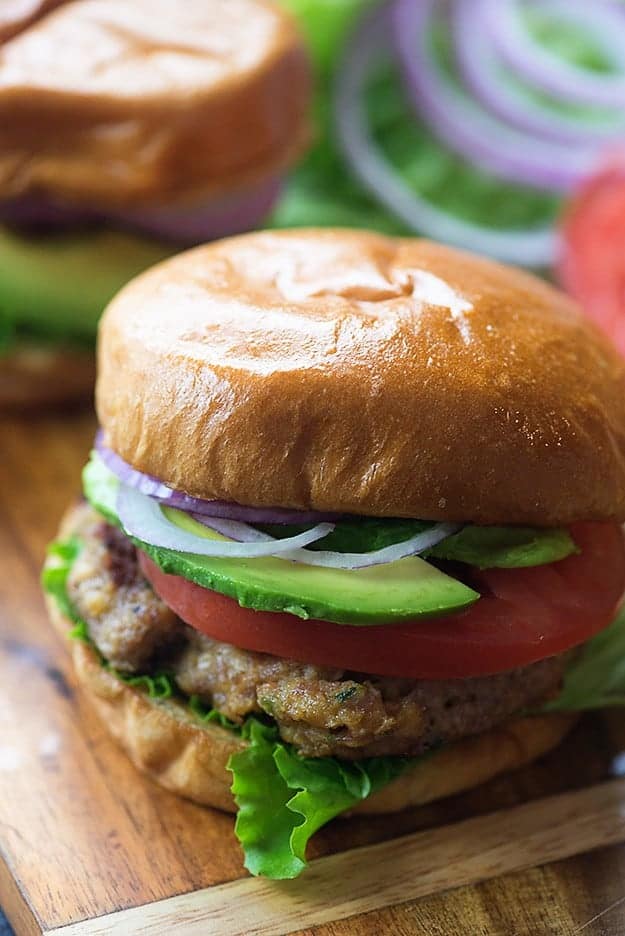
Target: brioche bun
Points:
(348, 371)
(151, 101)
(36, 376)
(166, 741)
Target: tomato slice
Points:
(523, 615)
(592, 262)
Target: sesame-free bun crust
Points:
(115, 103)
(38, 376)
(344, 370)
(165, 740)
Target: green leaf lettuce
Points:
(596, 678)
(283, 799)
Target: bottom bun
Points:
(165, 740)
(37, 376)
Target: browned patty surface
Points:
(323, 711)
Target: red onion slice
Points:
(152, 487)
(206, 221)
(548, 72)
(533, 247)
(182, 225)
(481, 69)
(142, 517)
(38, 214)
(466, 127)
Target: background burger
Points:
(351, 532)
(130, 128)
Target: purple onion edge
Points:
(224, 510)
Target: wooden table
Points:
(83, 837)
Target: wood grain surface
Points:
(83, 836)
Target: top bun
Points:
(344, 370)
(121, 103)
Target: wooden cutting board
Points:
(88, 846)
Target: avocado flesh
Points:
(386, 594)
(59, 284)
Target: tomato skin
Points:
(591, 266)
(524, 615)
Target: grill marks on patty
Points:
(323, 711)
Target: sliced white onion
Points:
(337, 560)
(143, 518)
(235, 530)
(410, 547)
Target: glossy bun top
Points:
(350, 371)
(127, 101)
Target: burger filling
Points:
(322, 711)
(340, 648)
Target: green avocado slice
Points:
(386, 594)
(61, 283)
(497, 547)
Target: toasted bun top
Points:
(349, 371)
(125, 101)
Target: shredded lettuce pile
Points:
(283, 798)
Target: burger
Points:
(130, 129)
(350, 538)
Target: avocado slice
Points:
(62, 282)
(386, 594)
(507, 547)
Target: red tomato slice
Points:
(523, 615)
(592, 262)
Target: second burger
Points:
(130, 129)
